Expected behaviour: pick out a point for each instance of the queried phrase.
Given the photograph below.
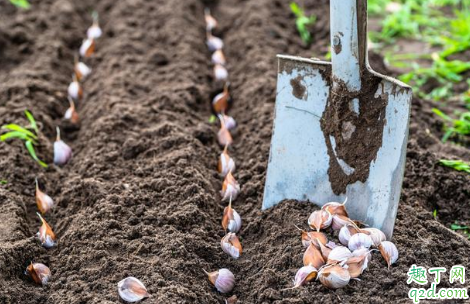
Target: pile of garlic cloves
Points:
(335, 265)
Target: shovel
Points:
(340, 129)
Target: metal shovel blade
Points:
(331, 142)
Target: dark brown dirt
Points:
(141, 194)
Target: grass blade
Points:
(21, 3)
(32, 121)
(15, 127)
(32, 152)
(15, 134)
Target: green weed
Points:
(21, 3)
(452, 126)
(465, 229)
(302, 22)
(458, 165)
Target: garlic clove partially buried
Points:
(71, 113)
(225, 164)
(214, 43)
(223, 279)
(62, 152)
(230, 188)
(94, 31)
(46, 235)
(74, 89)
(231, 220)
(220, 103)
(87, 48)
(132, 290)
(218, 57)
(40, 273)
(81, 70)
(220, 72)
(231, 245)
(43, 201)
(211, 22)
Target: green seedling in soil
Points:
(464, 229)
(459, 126)
(25, 134)
(458, 165)
(3, 181)
(434, 213)
(212, 119)
(302, 22)
(21, 3)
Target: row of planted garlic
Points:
(335, 265)
(223, 279)
(39, 272)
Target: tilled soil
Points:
(141, 194)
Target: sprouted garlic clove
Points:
(304, 275)
(71, 113)
(389, 251)
(226, 164)
(43, 201)
(40, 273)
(223, 279)
(319, 219)
(231, 220)
(62, 152)
(46, 235)
(132, 290)
(334, 276)
(211, 23)
(231, 245)
(230, 188)
(94, 31)
(312, 256)
(87, 48)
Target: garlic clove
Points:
(231, 245)
(339, 254)
(334, 276)
(228, 121)
(325, 251)
(304, 275)
(220, 102)
(313, 257)
(308, 237)
(214, 43)
(132, 290)
(94, 31)
(375, 234)
(75, 90)
(45, 234)
(43, 201)
(211, 23)
(232, 300)
(218, 57)
(40, 273)
(71, 114)
(319, 219)
(62, 152)
(224, 137)
(87, 48)
(359, 240)
(340, 220)
(356, 265)
(336, 208)
(220, 72)
(230, 188)
(231, 220)
(226, 164)
(389, 251)
(223, 280)
(81, 70)
(346, 232)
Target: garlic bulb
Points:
(220, 102)
(132, 290)
(75, 90)
(211, 23)
(229, 121)
(223, 280)
(359, 240)
(214, 43)
(81, 70)
(345, 234)
(94, 31)
(339, 254)
(340, 221)
(218, 57)
(389, 251)
(220, 72)
(375, 234)
(313, 257)
(40, 273)
(231, 245)
(62, 152)
(71, 114)
(334, 276)
(231, 220)
(304, 275)
(226, 163)
(230, 188)
(87, 48)
(336, 208)
(44, 201)
(46, 235)
(319, 219)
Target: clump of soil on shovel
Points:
(141, 194)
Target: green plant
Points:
(464, 229)
(21, 3)
(459, 126)
(302, 22)
(26, 134)
(458, 165)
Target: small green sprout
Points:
(434, 213)
(459, 126)
(26, 134)
(21, 3)
(212, 119)
(458, 165)
(302, 22)
(464, 229)
(3, 181)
